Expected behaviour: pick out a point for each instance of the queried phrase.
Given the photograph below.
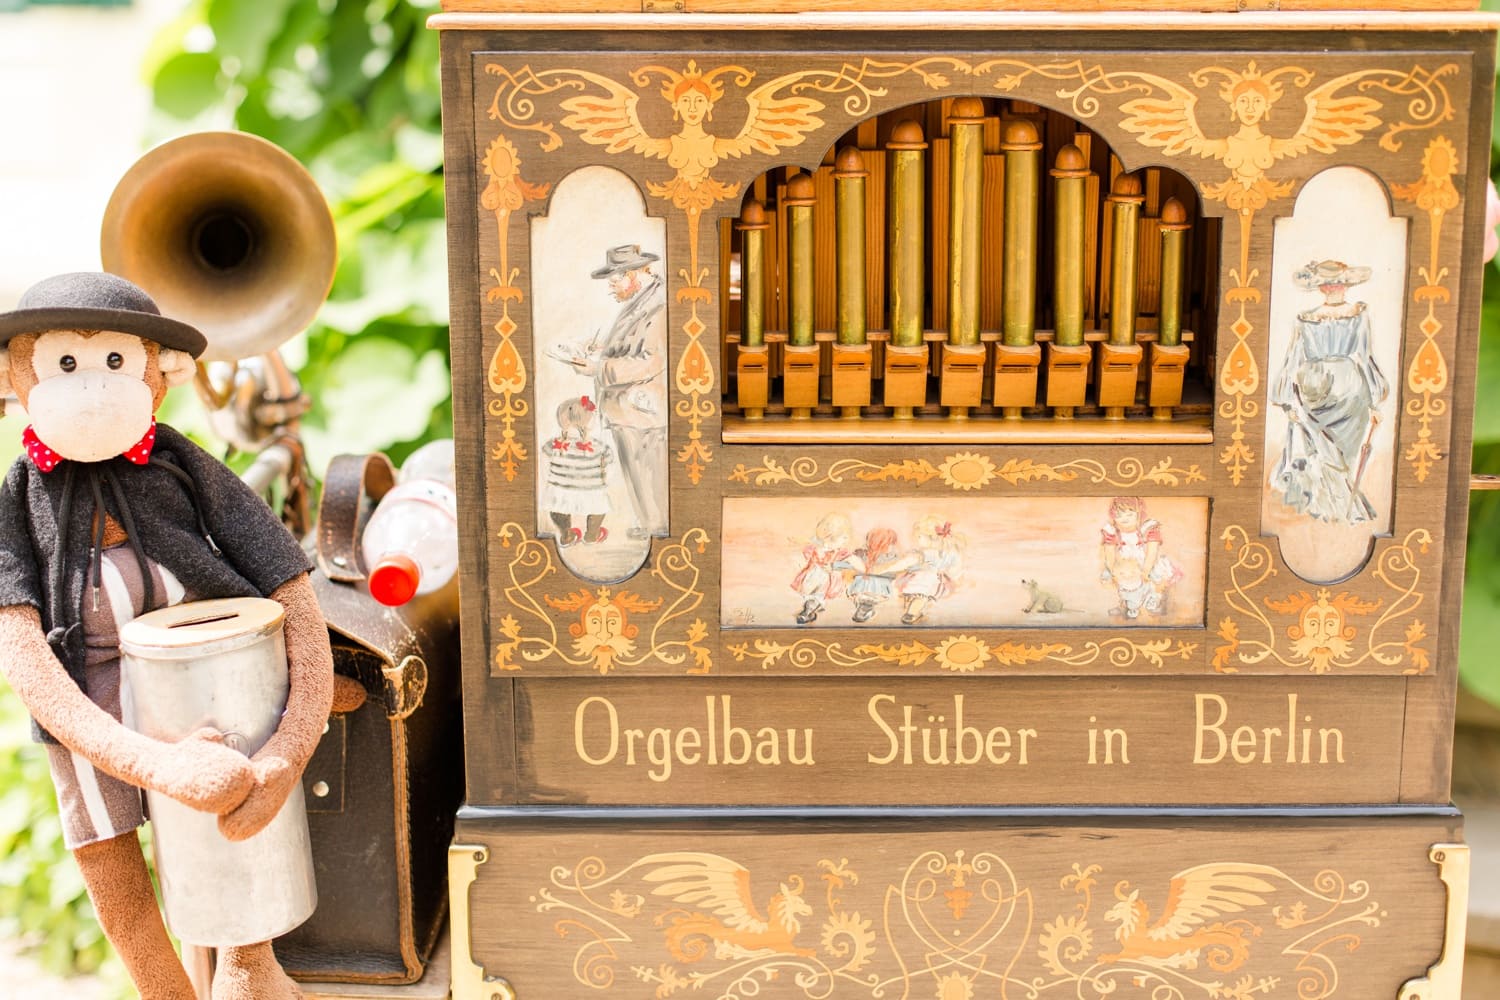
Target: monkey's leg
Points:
(115, 873)
(252, 973)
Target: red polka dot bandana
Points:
(46, 459)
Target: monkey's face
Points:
(91, 394)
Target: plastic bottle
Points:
(434, 460)
(411, 541)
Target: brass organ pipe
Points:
(1070, 172)
(1023, 155)
(801, 196)
(907, 265)
(965, 214)
(849, 205)
(1174, 230)
(1125, 208)
(752, 226)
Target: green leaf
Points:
(188, 85)
(244, 31)
(377, 392)
(1487, 403)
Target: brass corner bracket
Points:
(1444, 980)
(470, 981)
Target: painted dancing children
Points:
(874, 565)
(818, 582)
(575, 486)
(1134, 564)
(932, 567)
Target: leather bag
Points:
(386, 781)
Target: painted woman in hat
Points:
(1331, 389)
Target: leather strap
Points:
(350, 479)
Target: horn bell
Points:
(228, 232)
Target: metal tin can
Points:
(220, 664)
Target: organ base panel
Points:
(867, 410)
(951, 906)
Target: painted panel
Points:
(977, 562)
(601, 362)
(1337, 291)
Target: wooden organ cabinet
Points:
(962, 502)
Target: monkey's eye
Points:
(115, 360)
(67, 362)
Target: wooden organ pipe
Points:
(800, 198)
(1174, 230)
(753, 368)
(965, 214)
(1120, 355)
(1023, 156)
(1169, 356)
(1067, 355)
(800, 359)
(849, 193)
(1017, 355)
(1071, 171)
(1124, 201)
(851, 351)
(962, 370)
(752, 228)
(906, 355)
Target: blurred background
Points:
(350, 88)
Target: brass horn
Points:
(228, 232)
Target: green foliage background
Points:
(350, 87)
(1479, 653)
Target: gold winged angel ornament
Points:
(1329, 120)
(773, 122)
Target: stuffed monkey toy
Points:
(109, 515)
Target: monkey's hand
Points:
(201, 772)
(274, 779)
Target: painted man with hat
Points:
(109, 515)
(629, 367)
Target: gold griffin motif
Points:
(955, 924)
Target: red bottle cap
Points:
(394, 580)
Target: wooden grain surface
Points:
(1342, 909)
(962, 741)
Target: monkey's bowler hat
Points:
(93, 300)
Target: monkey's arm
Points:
(278, 765)
(197, 771)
